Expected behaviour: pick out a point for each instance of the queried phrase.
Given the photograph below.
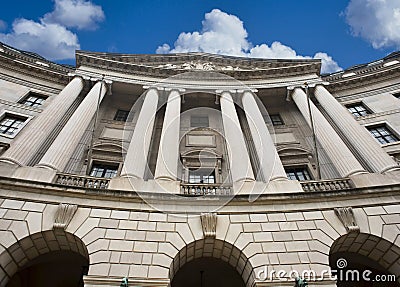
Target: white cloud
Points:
(3, 25)
(78, 14)
(50, 36)
(51, 41)
(225, 34)
(377, 21)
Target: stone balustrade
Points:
(205, 189)
(81, 181)
(326, 185)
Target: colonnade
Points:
(60, 151)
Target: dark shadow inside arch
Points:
(58, 268)
(49, 258)
(365, 260)
(211, 263)
(207, 272)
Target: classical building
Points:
(198, 170)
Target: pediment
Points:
(171, 64)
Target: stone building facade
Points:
(188, 169)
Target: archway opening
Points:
(49, 258)
(365, 260)
(207, 272)
(59, 268)
(211, 262)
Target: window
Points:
(358, 110)
(396, 95)
(199, 121)
(33, 100)
(276, 120)
(201, 176)
(121, 116)
(298, 173)
(10, 124)
(102, 170)
(383, 134)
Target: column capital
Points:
(158, 88)
(179, 90)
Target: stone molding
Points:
(346, 216)
(209, 224)
(64, 214)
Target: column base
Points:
(375, 179)
(34, 174)
(130, 183)
(256, 188)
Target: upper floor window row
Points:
(199, 122)
(383, 134)
(33, 100)
(358, 110)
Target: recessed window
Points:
(103, 170)
(358, 110)
(298, 173)
(396, 95)
(383, 134)
(10, 124)
(33, 100)
(199, 122)
(121, 116)
(201, 176)
(276, 120)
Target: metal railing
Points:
(81, 181)
(326, 185)
(205, 189)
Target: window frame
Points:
(24, 99)
(199, 126)
(192, 172)
(296, 169)
(6, 113)
(115, 118)
(357, 114)
(393, 132)
(107, 165)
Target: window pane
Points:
(382, 134)
(276, 120)
(34, 100)
(298, 173)
(121, 115)
(10, 124)
(358, 109)
(107, 171)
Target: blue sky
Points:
(340, 32)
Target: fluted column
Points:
(342, 158)
(168, 152)
(60, 151)
(35, 134)
(270, 163)
(239, 160)
(136, 157)
(360, 139)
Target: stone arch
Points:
(31, 247)
(217, 249)
(376, 250)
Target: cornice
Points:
(36, 67)
(24, 82)
(367, 74)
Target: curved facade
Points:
(188, 169)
